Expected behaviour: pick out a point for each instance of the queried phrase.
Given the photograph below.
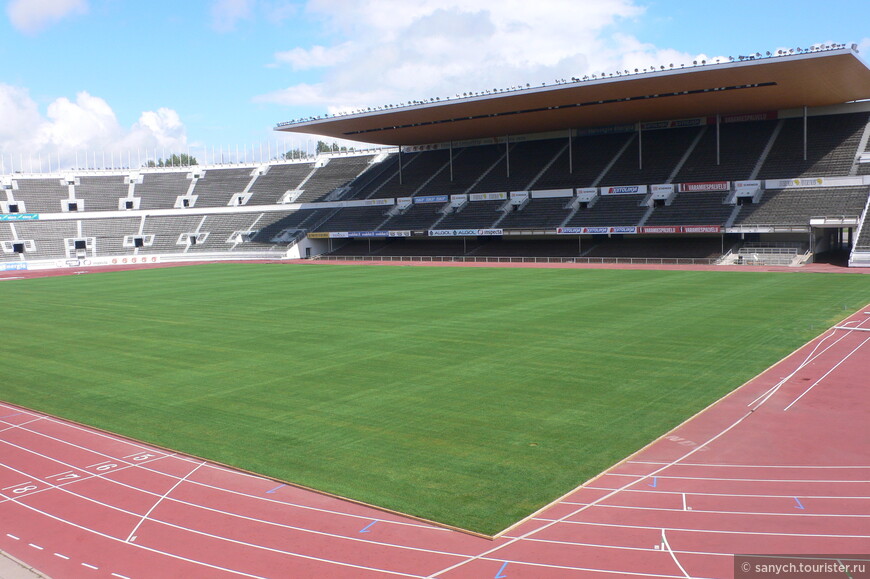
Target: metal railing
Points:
(495, 259)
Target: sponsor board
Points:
(431, 199)
(624, 190)
(122, 260)
(318, 235)
(551, 193)
(19, 216)
(14, 266)
(767, 116)
(465, 232)
(660, 229)
(368, 233)
(372, 202)
(519, 194)
(702, 229)
(621, 230)
(627, 128)
(487, 196)
(338, 235)
(705, 186)
(655, 125)
(747, 185)
(399, 233)
(814, 182)
(661, 189)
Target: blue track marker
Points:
(499, 574)
(275, 489)
(367, 527)
(798, 505)
(654, 482)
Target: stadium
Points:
(641, 353)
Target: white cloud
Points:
(316, 56)
(225, 14)
(32, 16)
(864, 48)
(71, 128)
(389, 51)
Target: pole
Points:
(570, 152)
(805, 132)
(451, 161)
(507, 153)
(639, 147)
(400, 164)
(718, 125)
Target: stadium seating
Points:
(767, 149)
(268, 189)
(692, 209)
(797, 206)
(216, 186)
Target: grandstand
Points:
(693, 176)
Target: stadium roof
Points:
(812, 79)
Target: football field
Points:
(469, 396)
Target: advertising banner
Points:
(660, 229)
(661, 189)
(19, 216)
(465, 232)
(14, 266)
(487, 196)
(399, 233)
(319, 235)
(702, 229)
(705, 186)
(368, 233)
(431, 199)
(569, 230)
(624, 190)
(747, 185)
(550, 193)
(814, 182)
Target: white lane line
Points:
(715, 531)
(217, 488)
(752, 513)
(203, 533)
(132, 538)
(119, 576)
(624, 547)
(674, 557)
(203, 563)
(728, 479)
(825, 375)
(13, 537)
(685, 508)
(811, 357)
(30, 482)
(61, 556)
(14, 426)
(154, 506)
(703, 465)
(706, 494)
(589, 569)
(89, 566)
(36, 547)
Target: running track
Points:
(779, 466)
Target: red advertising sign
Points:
(705, 186)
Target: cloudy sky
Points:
(82, 76)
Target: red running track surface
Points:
(781, 465)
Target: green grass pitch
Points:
(471, 396)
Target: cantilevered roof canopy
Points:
(765, 84)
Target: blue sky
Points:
(112, 74)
